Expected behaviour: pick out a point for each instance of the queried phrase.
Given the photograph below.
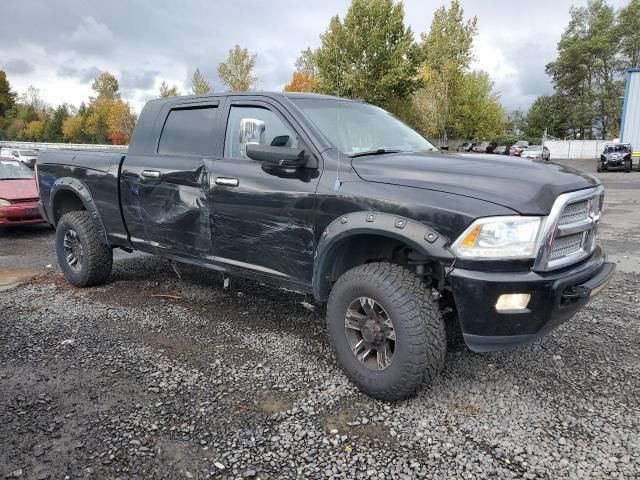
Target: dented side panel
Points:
(169, 212)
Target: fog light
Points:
(513, 301)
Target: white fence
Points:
(576, 148)
(60, 146)
(560, 148)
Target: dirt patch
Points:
(272, 404)
(14, 277)
(347, 422)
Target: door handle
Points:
(227, 182)
(150, 174)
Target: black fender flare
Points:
(415, 234)
(84, 194)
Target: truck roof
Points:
(253, 93)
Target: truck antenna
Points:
(338, 183)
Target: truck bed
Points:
(97, 170)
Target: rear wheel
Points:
(386, 331)
(85, 259)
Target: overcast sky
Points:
(60, 46)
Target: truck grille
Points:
(564, 246)
(571, 229)
(574, 212)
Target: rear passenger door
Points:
(165, 195)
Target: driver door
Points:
(263, 215)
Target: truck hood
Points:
(526, 186)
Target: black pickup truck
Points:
(410, 246)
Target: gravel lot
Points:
(151, 376)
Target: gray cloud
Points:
(81, 75)
(17, 66)
(139, 80)
(145, 42)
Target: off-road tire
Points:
(420, 345)
(97, 255)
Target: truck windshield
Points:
(358, 128)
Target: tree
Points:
(106, 86)
(168, 91)
(7, 96)
(72, 129)
(446, 54)
(300, 82)
(33, 132)
(54, 122)
(629, 34)
(32, 98)
(479, 114)
(306, 63)
(237, 72)
(548, 112)
(517, 122)
(371, 55)
(586, 72)
(199, 84)
(120, 122)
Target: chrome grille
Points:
(564, 246)
(574, 212)
(571, 228)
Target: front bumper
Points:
(20, 214)
(617, 163)
(555, 297)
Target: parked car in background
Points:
(501, 150)
(466, 147)
(28, 157)
(616, 155)
(485, 147)
(537, 152)
(18, 193)
(518, 147)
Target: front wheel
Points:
(85, 259)
(627, 166)
(386, 331)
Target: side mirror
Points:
(251, 132)
(280, 156)
(444, 147)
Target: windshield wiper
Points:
(380, 151)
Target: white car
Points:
(537, 152)
(28, 157)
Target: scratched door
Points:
(263, 216)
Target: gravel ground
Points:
(151, 376)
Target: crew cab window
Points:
(189, 131)
(272, 131)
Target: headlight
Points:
(4, 203)
(499, 238)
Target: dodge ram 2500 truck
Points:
(409, 246)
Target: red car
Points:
(18, 194)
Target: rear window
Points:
(188, 131)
